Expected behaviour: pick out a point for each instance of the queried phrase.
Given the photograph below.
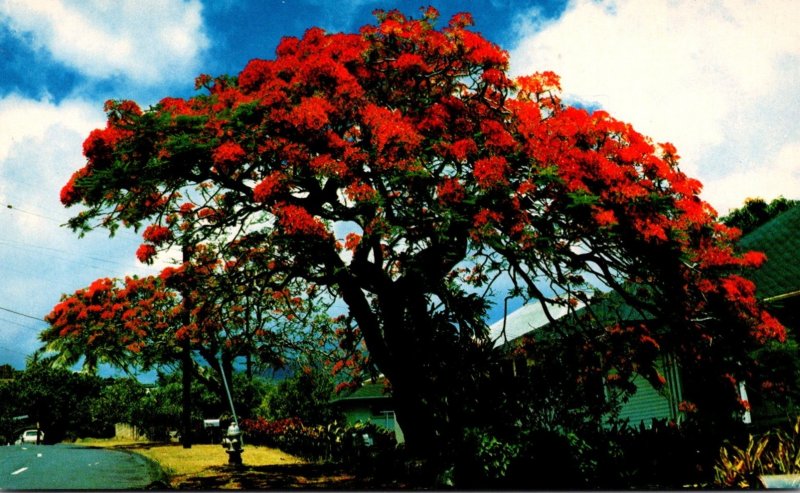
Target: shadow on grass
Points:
(283, 476)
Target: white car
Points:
(29, 436)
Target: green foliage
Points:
(756, 212)
(304, 395)
(491, 457)
(58, 400)
(119, 401)
(774, 390)
(775, 452)
(159, 410)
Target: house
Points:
(646, 405)
(777, 283)
(370, 403)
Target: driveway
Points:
(68, 467)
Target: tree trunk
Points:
(186, 413)
(186, 365)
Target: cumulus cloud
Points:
(40, 147)
(146, 41)
(717, 79)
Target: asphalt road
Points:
(72, 467)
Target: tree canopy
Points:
(402, 171)
(757, 211)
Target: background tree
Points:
(403, 172)
(107, 410)
(128, 324)
(59, 401)
(136, 325)
(756, 212)
(306, 394)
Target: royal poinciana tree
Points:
(402, 170)
(140, 324)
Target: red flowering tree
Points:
(140, 312)
(140, 324)
(403, 171)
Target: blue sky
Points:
(717, 79)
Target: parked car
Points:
(29, 436)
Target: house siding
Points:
(648, 404)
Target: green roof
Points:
(368, 390)
(779, 239)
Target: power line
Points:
(24, 326)
(22, 314)
(17, 209)
(60, 222)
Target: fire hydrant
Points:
(232, 443)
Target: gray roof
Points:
(523, 320)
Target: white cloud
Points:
(22, 118)
(40, 147)
(780, 175)
(717, 79)
(146, 41)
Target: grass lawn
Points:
(205, 467)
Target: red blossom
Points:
(538, 83)
(186, 209)
(491, 172)
(482, 52)
(312, 113)
(295, 220)
(325, 165)
(145, 253)
(390, 128)
(360, 192)
(410, 61)
(605, 218)
(269, 186)
(497, 137)
(352, 241)
(69, 195)
(228, 155)
(157, 234)
(450, 190)
(463, 149)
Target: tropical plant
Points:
(775, 452)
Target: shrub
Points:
(775, 452)
(349, 444)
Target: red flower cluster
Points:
(227, 156)
(296, 220)
(157, 234)
(145, 253)
(107, 319)
(491, 172)
(450, 191)
(268, 187)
